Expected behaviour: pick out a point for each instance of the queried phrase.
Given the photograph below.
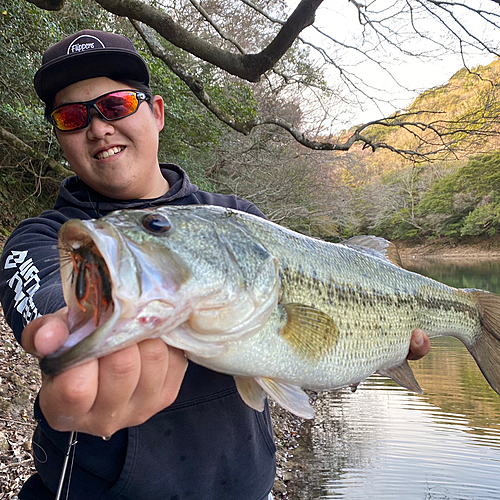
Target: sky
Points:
(339, 19)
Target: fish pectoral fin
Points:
(402, 375)
(309, 331)
(290, 397)
(251, 392)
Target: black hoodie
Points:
(207, 445)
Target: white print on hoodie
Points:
(25, 282)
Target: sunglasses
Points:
(110, 106)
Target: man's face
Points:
(119, 158)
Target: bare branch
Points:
(438, 129)
(214, 25)
(444, 6)
(262, 12)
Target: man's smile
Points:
(109, 152)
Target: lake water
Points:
(384, 442)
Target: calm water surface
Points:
(384, 442)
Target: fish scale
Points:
(278, 310)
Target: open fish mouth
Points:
(92, 282)
(87, 279)
(88, 291)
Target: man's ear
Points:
(159, 111)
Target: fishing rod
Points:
(71, 446)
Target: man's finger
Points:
(419, 345)
(66, 399)
(45, 334)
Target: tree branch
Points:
(249, 67)
(24, 148)
(405, 120)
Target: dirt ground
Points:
(480, 248)
(20, 381)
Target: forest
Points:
(429, 170)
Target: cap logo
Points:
(91, 42)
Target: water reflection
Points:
(466, 273)
(384, 442)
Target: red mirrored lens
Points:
(70, 117)
(111, 106)
(117, 105)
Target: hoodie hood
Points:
(76, 193)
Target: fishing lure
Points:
(93, 285)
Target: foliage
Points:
(23, 31)
(482, 220)
(452, 195)
(414, 202)
(453, 120)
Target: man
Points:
(172, 429)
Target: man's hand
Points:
(419, 345)
(104, 395)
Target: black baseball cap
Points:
(88, 54)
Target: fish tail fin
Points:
(486, 346)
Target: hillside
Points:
(447, 184)
(463, 110)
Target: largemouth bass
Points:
(278, 310)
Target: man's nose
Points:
(98, 126)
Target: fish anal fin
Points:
(310, 331)
(290, 397)
(402, 375)
(251, 392)
(374, 245)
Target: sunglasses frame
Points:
(92, 104)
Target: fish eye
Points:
(156, 224)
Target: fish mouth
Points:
(88, 292)
(101, 290)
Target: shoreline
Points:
(481, 248)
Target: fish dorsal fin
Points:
(251, 392)
(291, 397)
(373, 245)
(402, 375)
(310, 331)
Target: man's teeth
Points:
(109, 152)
